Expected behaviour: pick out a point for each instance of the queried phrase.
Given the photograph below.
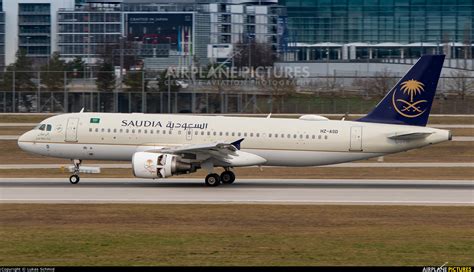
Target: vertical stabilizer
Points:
(409, 101)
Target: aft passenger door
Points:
(356, 139)
(71, 130)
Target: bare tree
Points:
(253, 54)
(280, 86)
(460, 83)
(378, 84)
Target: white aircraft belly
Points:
(308, 158)
(125, 153)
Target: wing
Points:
(221, 147)
(223, 153)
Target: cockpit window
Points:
(42, 127)
(49, 127)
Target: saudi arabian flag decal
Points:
(95, 120)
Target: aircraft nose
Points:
(22, 141)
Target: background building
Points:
(30, 25)
(361, 29)
(2, 36)
(234, 22)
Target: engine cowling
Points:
(158, 165)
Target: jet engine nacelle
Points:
(158, 165)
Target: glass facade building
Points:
(2, 36)
(87, 32)
(34, 30)
(425, 25)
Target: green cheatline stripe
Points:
(95, 120)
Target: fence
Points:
(147, 92)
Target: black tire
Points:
(227, 177)
(74, 179)
(213, 180)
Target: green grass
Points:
(235, 235)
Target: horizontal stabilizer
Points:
(410, 135)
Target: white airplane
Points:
(163, 145)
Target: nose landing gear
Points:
(74, 178)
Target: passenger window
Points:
(139, 131)
(170, 132)
(145, 131)
(157, 132)
(49, 127)
(196, 132)
(90, 129)
(276, 135)
(215, 133)
(202, 132)
(127, 131)
(179, 132)
(164, 131)
(319, 137)
(245, 134)
(251, 134)
(269, 135)
(239, 134)
(208, 133)
(121, 130)
(227, 134)
(289, 136)
(301, 136)
(294, 136)
(115, 130)
(258, 134)
(312, 137)
(133, 131)
(96, 130)
(151, 131)
(325, 137)
(108, 130)
(220, 133)
(102, 130)
(233, 133)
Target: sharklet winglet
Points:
(237, 143)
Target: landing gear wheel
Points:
(213, 180)
(227, 177)
(74, 179)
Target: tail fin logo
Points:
(405, 100)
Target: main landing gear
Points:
(213, 179)
(74, 178)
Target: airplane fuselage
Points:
(281, 142)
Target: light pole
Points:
(169, 45)
(169, 90)
(89, 37)
(27, 45)
(121, 75)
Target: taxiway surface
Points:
(265, 191)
